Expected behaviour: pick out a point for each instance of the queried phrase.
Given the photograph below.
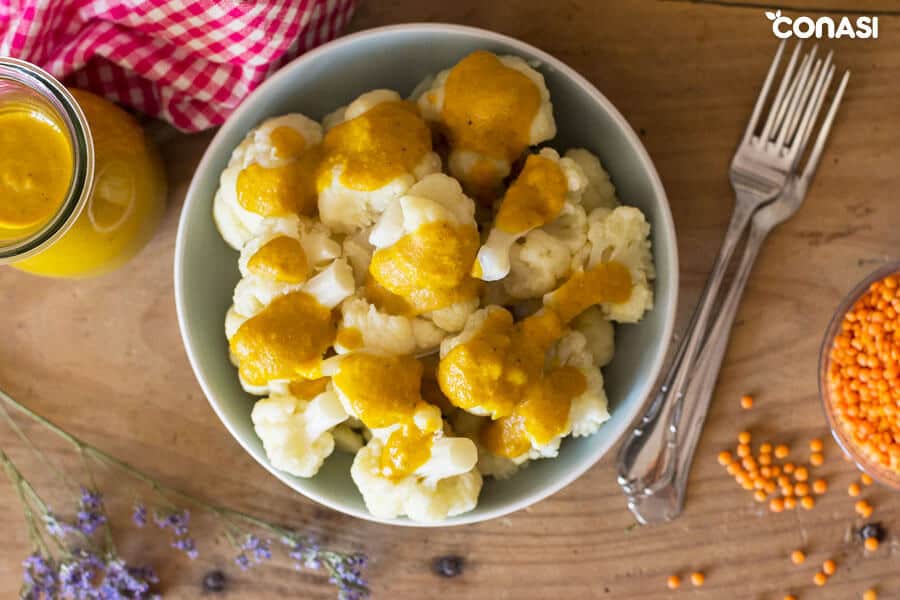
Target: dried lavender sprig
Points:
(344, 569)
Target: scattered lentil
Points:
(820, 578)
(698, 578)
(872, 530)
(815, 445)
(725, 458)
(746, 402)
(801, 489)
(829, 567)
(798, 557)
(808, 502)
(788, 468)
(765, 448)
(673, 582)
(816, 459)
(871, 544)
(776, 505)
(870, 594)
(820, 486)
(801, 473)
(781, 451)
(853, 489)
(744, 437)
(866, 479)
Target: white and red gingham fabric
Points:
(190, 62)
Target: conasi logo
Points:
(824, 27)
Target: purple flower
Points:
(305, 552)
(139, 516)
(57, 527)
(78, 574)
(39, 579)
(187, 546)
(176, 520)
(124, 581)
(259, 548)
(90, 514)
(242, 561)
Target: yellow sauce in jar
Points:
(535, 198)
(429, 268)
(371, 150)
(282, 258)
(285, 341)
(127, 203)
(36, 164)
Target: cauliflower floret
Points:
(293, 133)
(478, 169)
(494, 256)
(447, 485)
(348, 439)
(382, 332)
(473, 325)
(265, 147)
(489, 465)
(537, 263)
(623, 235)
(599, 332)
(296, 432)
(346, 210)
(600, 191)
(357, 249)
(330, 286)
(570, 228)
(589, 409)
(435, 199)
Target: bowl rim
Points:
(666, 222)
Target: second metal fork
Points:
(651, 461)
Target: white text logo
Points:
(862, 28)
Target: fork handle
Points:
(698, 394)
(647, 460)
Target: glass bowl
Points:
(877, 471)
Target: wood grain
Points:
(103, 357)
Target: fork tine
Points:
(782, 86)
(816, 153)
(798, 99)
(776, 113)
(804, 130)
(764, 92)
(806, 98)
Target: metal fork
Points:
(649, 460)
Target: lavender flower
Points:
(124, 581)
(139, 516)
(259, 548)
(40, 579)
(176, 520)
(78, 574)
(56, 526)
(90, 514)
(242, 561)
(187, 546)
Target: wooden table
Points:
(104, 358)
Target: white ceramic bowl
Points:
(399, 57)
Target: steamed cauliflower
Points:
(589, 409)
(599, 333)
(493, 261)
(448, 484)
(346, 207)
(296, 432)
(481, 162)
(278, 143)
(383, 332)
(623, 235)
(600, 191)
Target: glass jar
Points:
(116, 192)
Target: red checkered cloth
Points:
(188, 62)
